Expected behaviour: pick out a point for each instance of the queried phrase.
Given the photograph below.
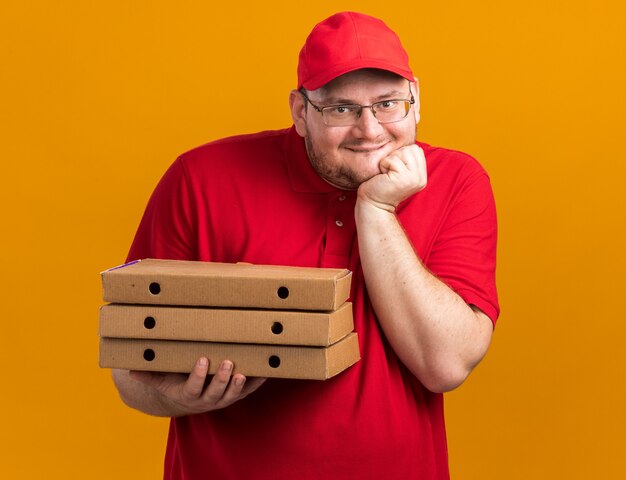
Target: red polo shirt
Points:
(255, 198)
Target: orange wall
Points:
(99, 97)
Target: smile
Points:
(366, 149)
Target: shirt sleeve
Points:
(167, 228)
(464, 253)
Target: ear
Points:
(298, 111)
(415, 88)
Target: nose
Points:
(367, 126)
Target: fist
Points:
(402, 174)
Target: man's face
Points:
(348, 156)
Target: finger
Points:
(411, 154)
(215, 391)
(420, 159)
(252, 384)
(194, 385)
(240, 387)
(393, 163)
(234, 390)
(414, 159)
(420, 168)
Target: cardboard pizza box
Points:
(178, 282)
(284, 327)
(277, 361)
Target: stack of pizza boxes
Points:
(270, 321)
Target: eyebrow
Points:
(331, 100)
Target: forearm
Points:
(431, 329)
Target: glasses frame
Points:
(361, 107)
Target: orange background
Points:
(99, 97)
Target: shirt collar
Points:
(301, 174)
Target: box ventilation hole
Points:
(154, 288)
(149, 323)
(283, 292)
(274, 361)
(148, 354)
(277, 328)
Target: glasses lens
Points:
(391, 110)
(341, 115)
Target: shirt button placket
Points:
(340, 231)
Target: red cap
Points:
(350, 41)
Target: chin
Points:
(345, 170)
(365, 170)
(350, 179)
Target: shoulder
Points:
(439, 158)
(451, 172)
(454, 179)
(237, 158)
(236, 147)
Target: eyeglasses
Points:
(345, 115)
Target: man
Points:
(346, 186)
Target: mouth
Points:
(366, 148)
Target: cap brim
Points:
(329, 75)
